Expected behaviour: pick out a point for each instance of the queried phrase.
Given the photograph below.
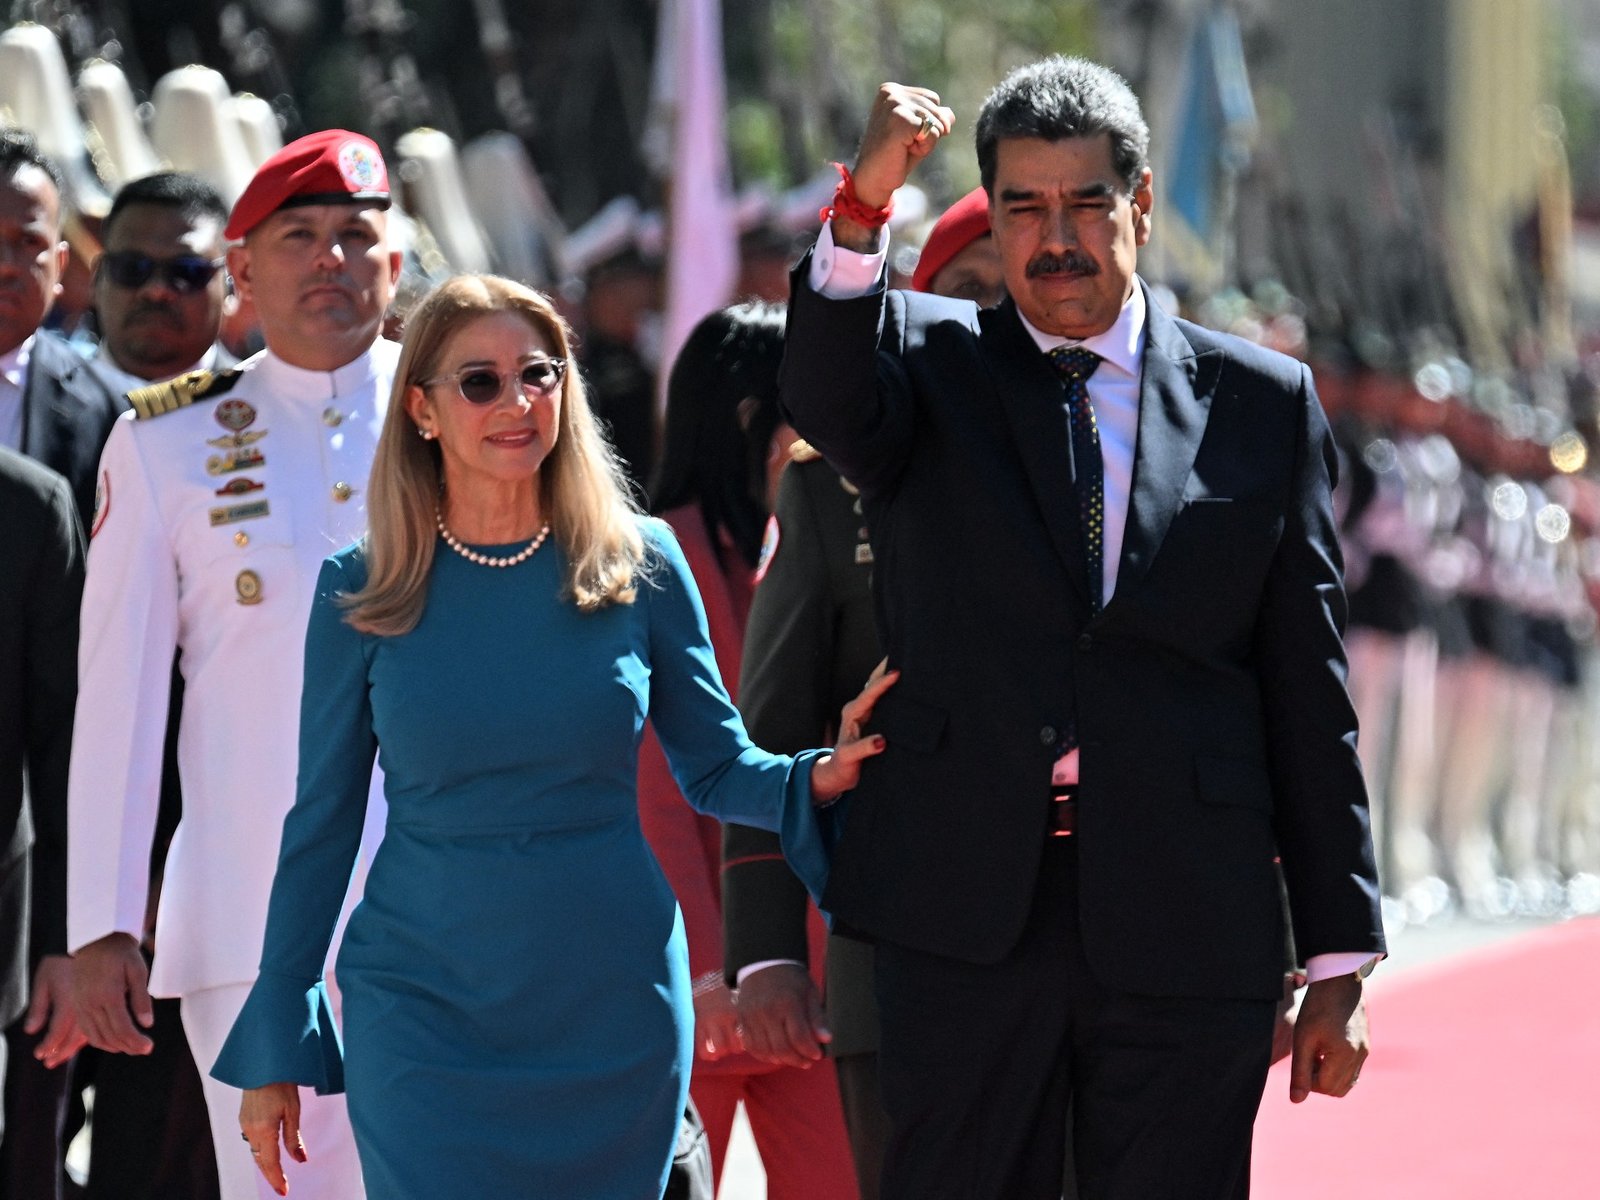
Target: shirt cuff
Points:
(1330, 966)
(840, 274)
(750, 969)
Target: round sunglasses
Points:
(485, 385)
(183, 273)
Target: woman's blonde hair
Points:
(581, 489)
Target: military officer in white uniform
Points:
(220, 494)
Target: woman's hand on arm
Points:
(264, 1112)
(840, 771)
(717, 1033)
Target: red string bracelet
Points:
(848, 205)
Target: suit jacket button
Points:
(1086, 642)
(1048, 736)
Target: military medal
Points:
(237, 460)
(232, 441)
(235, 415)
(239, 512)
(248, 587)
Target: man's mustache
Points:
(166, 312)
(1070, 263)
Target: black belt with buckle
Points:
(1063, 811)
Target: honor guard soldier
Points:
(219, 497)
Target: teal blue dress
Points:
(516, 1007)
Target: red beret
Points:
(963, 223)
(331, 167)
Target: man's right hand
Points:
(895, 141)
(782, 1016)
(110, 985)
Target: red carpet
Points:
(1484, 1085)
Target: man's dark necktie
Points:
(1075, 365)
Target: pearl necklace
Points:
(490, 560)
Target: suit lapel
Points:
(1174, 400)
(1036, 408)
(55, 373)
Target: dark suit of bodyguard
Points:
(1133, 965)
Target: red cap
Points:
(331, 167)
(963, 223)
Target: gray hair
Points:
(1058, 98)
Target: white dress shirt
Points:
(13, 378)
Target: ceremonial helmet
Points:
(195, 129)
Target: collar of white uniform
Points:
(14, 363)
(1121, 346)
(317, 386)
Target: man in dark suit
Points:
(41, 581)
(53, 408)
(1107, 572)
(57, 411)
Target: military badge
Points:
(235, 415)
(248, 587)
(769, 547)
(233, 441)
(238, 487)
(239, 512)
(361, 168)
(102, 503)
(239, 460)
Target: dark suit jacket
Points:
(41, 582)
(809, 645)
(1208, 696)
(67, 412)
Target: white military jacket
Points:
(219, 498)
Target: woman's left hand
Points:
(840, 771)
(267, 1114)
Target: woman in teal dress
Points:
(516, 1008)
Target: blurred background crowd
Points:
(1405, 193)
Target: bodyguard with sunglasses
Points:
(160, 284)
(219, 497)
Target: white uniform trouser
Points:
(333, 1172)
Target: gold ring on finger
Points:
(926, 127)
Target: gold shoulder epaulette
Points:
(803, 451)
(161, 398)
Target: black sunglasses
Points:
(484, 385)
(185, 273)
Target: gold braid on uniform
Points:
(161, 398)
(803, 451)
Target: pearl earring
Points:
(425, 434)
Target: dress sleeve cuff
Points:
(809, 834)
(284, 1034)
